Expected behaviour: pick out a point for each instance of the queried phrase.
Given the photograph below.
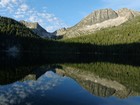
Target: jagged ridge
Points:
(37, 29)
(97, 20)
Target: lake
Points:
(90, 80)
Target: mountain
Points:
(126, 33)
(12, 27)
(16, 38)
(37, 29)
(95, 78)
(98, 20)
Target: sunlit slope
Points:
(126, 33)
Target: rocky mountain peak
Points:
(98, 16)
(60, 31)
(37, 29)
(32, 25)
(97, 20)
(127, 13)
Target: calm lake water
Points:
(104, 82)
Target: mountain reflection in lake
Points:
(92, 83)
(52, 89)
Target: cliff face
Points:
(98, 16)
(97, 20)
(61, 31)
(30, 24)
(127, 13)
(37, 29)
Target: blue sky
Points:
(55, 14)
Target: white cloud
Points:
(19, 16)
(24, 7)
(14, 1)
(50, 28)
(17, 92)
(10, 5)
(4, 3)
(7, 3)
(20, 10)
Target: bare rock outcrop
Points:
(37, 29)
(98, 16)
(97, 20)
(127, 13)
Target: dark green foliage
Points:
(11, 27)
(13, 33)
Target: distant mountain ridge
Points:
(37, 29)
(95, 21)
(98, 20)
